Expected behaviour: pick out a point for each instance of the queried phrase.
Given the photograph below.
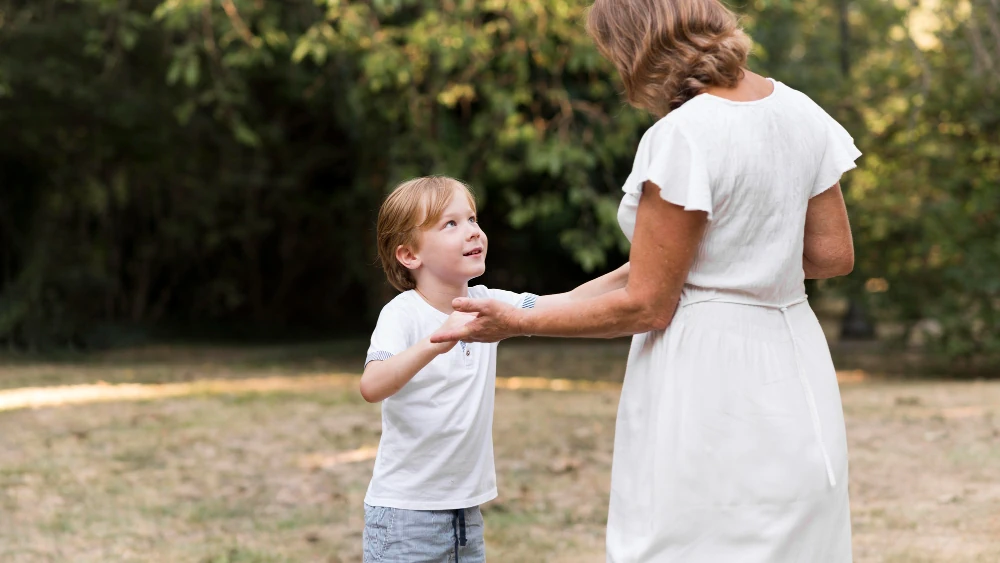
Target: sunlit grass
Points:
(238, 464)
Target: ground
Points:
(274, 468)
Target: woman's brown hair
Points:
(669, 51)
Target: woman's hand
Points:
(664, 246)
(454, 321)
(494, 322)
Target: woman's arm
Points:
(597, 286)
(663, 247)
(829, 248)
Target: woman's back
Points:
(753, 166)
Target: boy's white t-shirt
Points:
(436, 450)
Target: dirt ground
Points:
(279, 474)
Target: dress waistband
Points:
(733, 301)
(806, 387)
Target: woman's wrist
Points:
(521, 322)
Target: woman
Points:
(730, 442)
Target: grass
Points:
(233, 476)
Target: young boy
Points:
(435, 459)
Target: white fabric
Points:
(436, 449)
(752, 166)
(730, 441)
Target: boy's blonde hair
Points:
(669, 51)
(413, 205)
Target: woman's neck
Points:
(751, 87)
(439, 294)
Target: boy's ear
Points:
(406, 257)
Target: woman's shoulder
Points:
(692, 112)
(697, 116)
(665, 126)
(707, 121)
(708, 107)
(679, 126)
(706, 116)
(797, 98)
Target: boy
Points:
(435, 459)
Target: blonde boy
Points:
(435, 460)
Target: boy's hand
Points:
(455, 321)
(494, 321)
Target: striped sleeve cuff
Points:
(377, 356)
(529, 301)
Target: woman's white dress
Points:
(730, 442)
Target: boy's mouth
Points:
(474, 252)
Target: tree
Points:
(191, 162)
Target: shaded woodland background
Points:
(204, 169)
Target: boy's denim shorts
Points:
(394, 535)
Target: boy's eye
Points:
(451, 224)
(472, 219)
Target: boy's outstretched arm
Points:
(611, 281)
(384, 378)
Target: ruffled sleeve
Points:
(668, 158)
(838, 157)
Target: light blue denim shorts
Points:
(394, 535)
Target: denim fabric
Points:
(394, 535)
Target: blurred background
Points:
(188, 276)
(195, 169)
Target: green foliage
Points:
(920, 95)
(185, 162)
(510, 96)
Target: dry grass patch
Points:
(269, 474)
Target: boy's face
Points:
(454, 248)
